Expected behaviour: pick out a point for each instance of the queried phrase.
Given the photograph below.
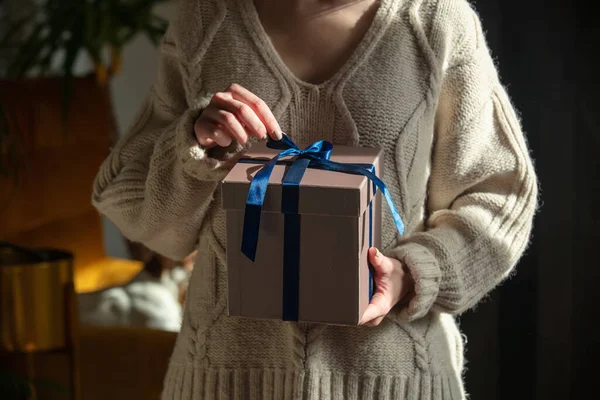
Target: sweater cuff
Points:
(426, 274)
(199, 162)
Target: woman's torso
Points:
(380, 96)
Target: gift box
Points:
(299, 226)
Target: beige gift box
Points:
(338, 219)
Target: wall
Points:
(537, 337)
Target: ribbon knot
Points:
(318, 150)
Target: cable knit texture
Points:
(421, 85)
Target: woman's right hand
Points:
(235, 114)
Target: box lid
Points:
(321, 192)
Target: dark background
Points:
(534, 338)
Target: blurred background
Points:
(55, 130)
(533, 338)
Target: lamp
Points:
(38, 311)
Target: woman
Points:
(412, 76)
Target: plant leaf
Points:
(46, 61)
(14, 29)
(27, 53)
(72, 48)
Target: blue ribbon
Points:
(371, 283)
(314, 156)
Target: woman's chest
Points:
(377, 92)
(316, 44)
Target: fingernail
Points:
(377, 253)
(278, 134)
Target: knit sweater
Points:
(421, 85)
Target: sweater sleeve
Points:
(157, 183)
(482, 189)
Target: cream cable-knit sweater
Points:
(423, 86)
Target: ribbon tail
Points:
(251, 229)
(395, 215)
(371, 281)
(388, 197)
(254, 202)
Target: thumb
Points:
(381, 264)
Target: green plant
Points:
(62, 30)
(70, 27)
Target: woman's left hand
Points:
(393, 284)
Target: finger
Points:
(376, 309)
(381, 264)
(244, 113)
(206, 142)
(209, 134)
(217, 137)
(220, 137)
(228, 122)
(260, 108)
(203, 134)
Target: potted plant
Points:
(44, 41)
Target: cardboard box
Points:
(339, 218)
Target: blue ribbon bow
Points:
(315, 156)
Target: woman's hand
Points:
(235, 114)
(393, 285)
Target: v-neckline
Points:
(263, 40)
